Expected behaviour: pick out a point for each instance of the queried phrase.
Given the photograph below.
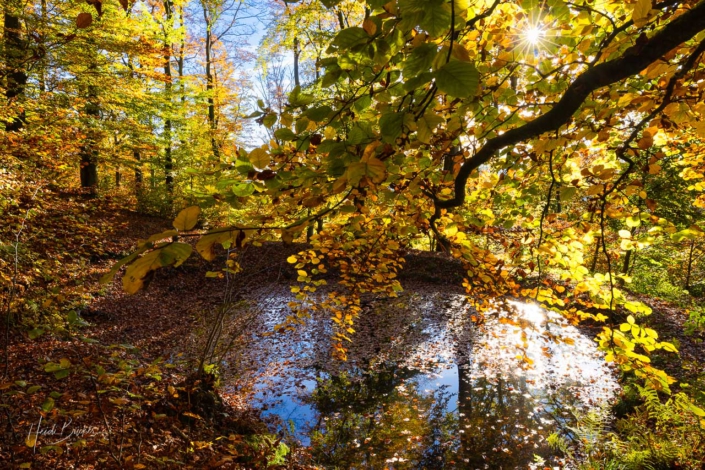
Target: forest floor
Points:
(113, 389)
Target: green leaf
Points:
(418, 81)
(284, 134)
(391, 126)
(319, 113)
(243, 190)
(350, 37)
(436, 19)
(459, 79)
(269, 120)
(297, 98)
(419, 60)
(426, 126)
(48, 404)
(689, 406)
(35, 333)
(187, 218)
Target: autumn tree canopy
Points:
(539, 142)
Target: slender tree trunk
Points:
(139, 178)
(210, 82)
(690, 265)
(442, 243)
(168, 158)
(596, 255)
(182, 82)
(341, 21)
(89, 150)
(626, 264)
(15, 51)
(42, 48)
(627, 261)
(297, 82)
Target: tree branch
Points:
(634, 60)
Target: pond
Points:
(427, 385)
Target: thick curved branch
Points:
(634, 60)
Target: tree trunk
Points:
(627, 261)
(442, 243)
(42, 48)
(15, 51)
(89, 151)
(210, 83)
(139, 178)
(690, 265)
(168, 158)
(296, 62)
(593, 267)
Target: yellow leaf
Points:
(205, 246)
(370, 150)
(133, 280)
(287, 237)
(460, 53)
(654, 169)
(329, 133)
(645, 142)
(641, 11)
(259, 158)
(340, 184)
(187, 218)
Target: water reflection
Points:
(426, 387)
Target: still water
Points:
(430, 385)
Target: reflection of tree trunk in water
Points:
(464, 402)
(468, 446)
